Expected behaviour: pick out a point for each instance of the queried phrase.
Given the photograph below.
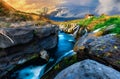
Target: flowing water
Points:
(63, 49)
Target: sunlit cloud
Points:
(78, 2)
(33, 5)
(74, 8)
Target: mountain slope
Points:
(5, 8)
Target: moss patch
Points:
(60, 66)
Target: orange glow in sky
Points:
(33, 5)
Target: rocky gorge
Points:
(71, 42)
(48, 52)
(93, 48)
(18, 45)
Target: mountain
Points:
(5, 8)
(66, 13)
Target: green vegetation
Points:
(103, 21)
(112, 21)
(64, 63)
(87, 21)
(117, 62)
(108, 24)
(2, 12)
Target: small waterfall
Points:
(105, 28)
(76, 31)
(86, 32)
(97, 30)
(70, 53)
(31, 72)
(83, 31)
(64, 49)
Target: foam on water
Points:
(31, 72)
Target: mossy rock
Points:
(60, 66)
(105, 49)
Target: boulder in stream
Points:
(105, 49)
(88, 69)
(27, 44)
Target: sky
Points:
(71, 7)
(33, 5)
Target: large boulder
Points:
(88, 69)
(15, 36)
(104, 48)
(27, 45)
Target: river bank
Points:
(52, 51)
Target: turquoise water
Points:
(63, 49)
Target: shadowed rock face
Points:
(88, 69)
(105, 48)
(14, 36)
(28, 42)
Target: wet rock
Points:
(49, 43)
(84, 41)
(17, 53)
(68, 28)
(105, 49)
(88, 69)
(42, 32)
(64, 63)
(44, 55)
(14, 36)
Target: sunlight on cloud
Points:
(33, 5)
(74, 8)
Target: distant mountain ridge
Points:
(6, 6)
(7, 10)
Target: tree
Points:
(45, 10)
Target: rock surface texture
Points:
(104, 48)
(23, 43)
(88, 69)
(10, 37)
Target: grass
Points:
(111, 21)
(102, 22)
(96, 22)
(85, 22)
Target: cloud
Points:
(78, 2)
(108, 7)
(33, 5)
(78, 8)
(75, 8)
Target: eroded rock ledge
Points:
(24, 43)
(105, 49)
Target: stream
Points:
(63, 49)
